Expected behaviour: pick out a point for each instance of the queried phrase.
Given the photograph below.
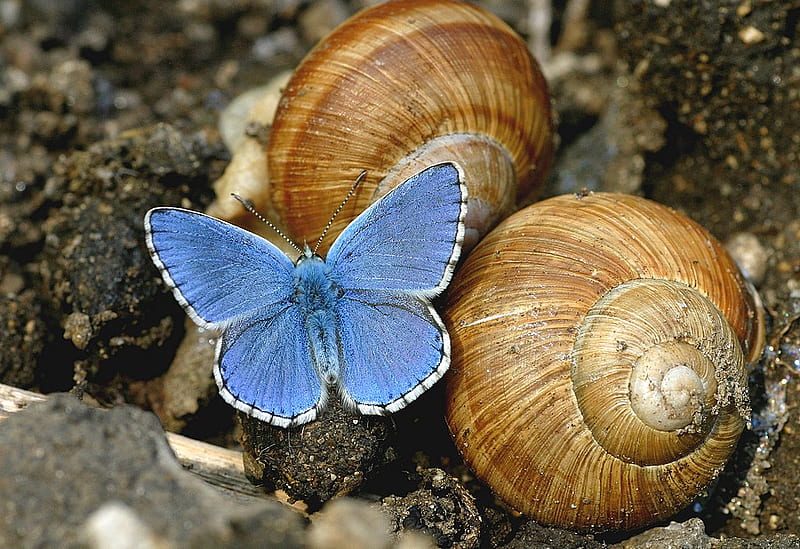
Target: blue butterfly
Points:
(359, 322)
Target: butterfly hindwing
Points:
(263, 367)
(409, 240)
(394, 346)
(216, 270)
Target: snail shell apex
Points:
(397, 88)
(558, 395)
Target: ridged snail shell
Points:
(394, 89)
(598, 373)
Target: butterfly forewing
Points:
(217, 271)
(409, 240)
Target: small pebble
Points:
(321, 18)
(78, 329)
(751, 35)
(749, 255)
(347, 522)
(678, 534)
(117, 525)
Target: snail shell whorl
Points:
(397, 88)
(597, 378)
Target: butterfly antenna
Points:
(248, 205)
(340, 208)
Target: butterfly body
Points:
(359, 323)
(316, 295)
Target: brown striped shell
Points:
(598, 373)
(399, 87)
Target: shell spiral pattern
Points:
(397, 88)
(598, 379)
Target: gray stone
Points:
(71, 475)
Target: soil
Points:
(107, 111)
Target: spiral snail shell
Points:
(598, 378)
(395, 89)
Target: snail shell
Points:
(598, 374)
(399, 87)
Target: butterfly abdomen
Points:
(316, 294)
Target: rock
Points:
(691, 533)
(347, 522)
(189, 384)
(117, 525)
(73, 474)
(750, 256)
(322, 17)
